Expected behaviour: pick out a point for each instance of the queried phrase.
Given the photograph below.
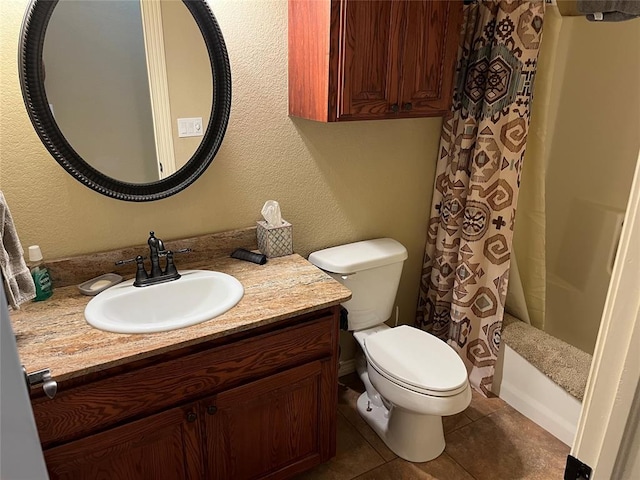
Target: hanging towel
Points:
(18, 282)
(609, 10)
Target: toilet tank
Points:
(371, 269)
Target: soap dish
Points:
(98, 284)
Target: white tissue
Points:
(271, 213)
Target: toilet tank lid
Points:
(358, 256)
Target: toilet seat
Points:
(417, 361)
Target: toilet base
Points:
(411, 436)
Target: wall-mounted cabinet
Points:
(367, 60)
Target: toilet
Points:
(412, 379)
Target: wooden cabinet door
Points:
(372, 59)
(166, 445)
(270, 428)
(368, 69)
(430, 48)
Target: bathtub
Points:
(535, 395)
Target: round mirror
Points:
(131, 97)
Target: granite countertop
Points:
(54, 334)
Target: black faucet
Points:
(157, 274)
(156, 246)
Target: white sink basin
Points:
(197, 296)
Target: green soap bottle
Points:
(40, 274)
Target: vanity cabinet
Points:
(367, 60)
(166, 445)
(259, 404)
(265, 426)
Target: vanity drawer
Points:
(126, 396)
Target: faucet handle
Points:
(164, 253)
(128, 260)
(170, 269)
(141, 273)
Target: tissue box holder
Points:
(275, 241)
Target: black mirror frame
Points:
(31, 74)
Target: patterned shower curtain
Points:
(482, 146)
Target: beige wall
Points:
(593, 152)
(188, 75)
(335, 183)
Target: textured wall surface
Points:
(336, 183)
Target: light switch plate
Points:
(190, 127)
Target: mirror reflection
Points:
(129, 84)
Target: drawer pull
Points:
(212, 409)
(49, 385)
(191, 417)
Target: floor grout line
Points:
(385, 461)
(459, 426)
(489, 412)
(368, 471)
(458, 463)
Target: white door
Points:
(607, 438)
(20, 456)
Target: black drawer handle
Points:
(395, 108)
(191, 417)
(407, 106)
(212, 409)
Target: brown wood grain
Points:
(147, 449)
(432, 36)
(363, 58)
(129, 395)
(328, 414)
(261, 428)
(260, 407)
(370, 42)
(309, 58)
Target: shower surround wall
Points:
(584, 138)
(592, 158)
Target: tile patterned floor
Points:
(488, 441)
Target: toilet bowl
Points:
(411, 378)
(418, 379)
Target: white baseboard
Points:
(537, 397)
(347, 367)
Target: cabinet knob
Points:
(212, 409)
(191, 417)
(395, 108)
(407, 106)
